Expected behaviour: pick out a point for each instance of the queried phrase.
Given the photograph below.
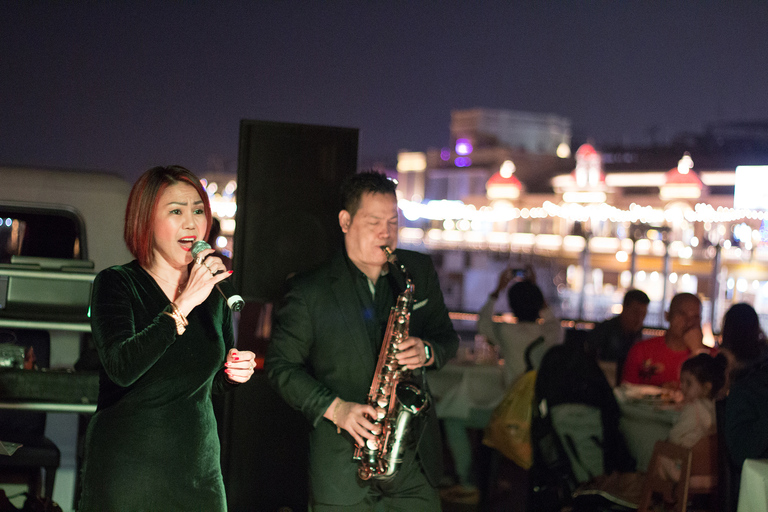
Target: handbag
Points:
(509, 430)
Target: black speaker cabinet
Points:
(287, 221)
(288, 182)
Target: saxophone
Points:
(395, 400)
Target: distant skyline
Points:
(123, 86)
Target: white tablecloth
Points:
(643, 423)
(753, 491)
(459, 388)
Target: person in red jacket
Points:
(657, 361)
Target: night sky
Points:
(123, 86)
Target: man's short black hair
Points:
(525, 300)
(356, 185)
(636, 296)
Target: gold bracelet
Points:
(179, 318)
(178, 312)
(335, 410)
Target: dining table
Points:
(468, 389)
(647, 416)
(753, 489)
(465, 393)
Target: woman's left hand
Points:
(239, 365)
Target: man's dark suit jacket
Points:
(320, 349)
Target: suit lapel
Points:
(345, 295)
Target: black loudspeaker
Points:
(265, 449)
(288, 202)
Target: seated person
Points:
(701, 379)
(527, 302)
(746, 407)
(611, 339)
(657, 361)
(534, 320)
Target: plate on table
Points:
(647, 394)
(642, 392)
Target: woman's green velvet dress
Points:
(152, 444)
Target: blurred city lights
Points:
(462, 161)
(507, 169)
(463, 147)
(685, 164)
(563, 150)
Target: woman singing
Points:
(166, 343)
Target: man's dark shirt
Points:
(609, 342)
(376, 307)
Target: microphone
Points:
(234, 300)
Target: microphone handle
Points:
(234, 300)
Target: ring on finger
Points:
(199, 260)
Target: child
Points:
(701, 379)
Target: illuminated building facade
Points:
(590, 232)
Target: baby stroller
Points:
(574, 429)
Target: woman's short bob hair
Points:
(139, 230)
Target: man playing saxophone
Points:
(325, 347)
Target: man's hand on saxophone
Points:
(413, 354)
(352, 417)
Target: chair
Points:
(697, 468)
(659, 489)
(705, 468)
(28, 428)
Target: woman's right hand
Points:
(202, 278)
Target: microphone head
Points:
(199, 247)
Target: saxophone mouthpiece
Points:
(390, 253)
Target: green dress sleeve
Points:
(127, 349)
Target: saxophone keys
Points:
(371, 444)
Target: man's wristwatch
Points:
(427, 352)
